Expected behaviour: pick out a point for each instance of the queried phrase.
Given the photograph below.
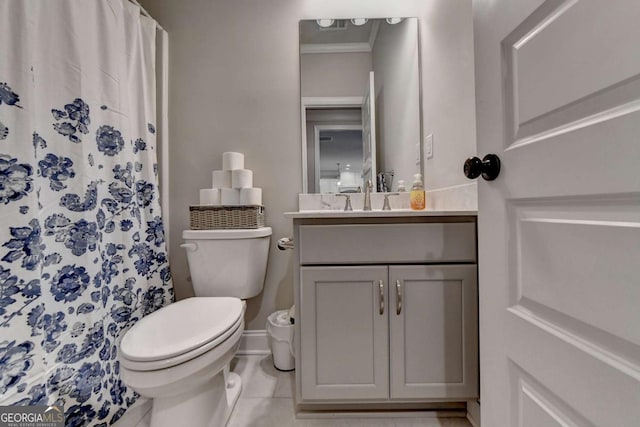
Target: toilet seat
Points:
(180, 332)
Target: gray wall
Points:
(395, 63)
(335, 74)
(234, 86)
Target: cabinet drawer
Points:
(387, 243)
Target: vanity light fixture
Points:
(393, 21)
(325, 23)
(359, 21)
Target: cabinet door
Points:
(344, 333)
(433, 331)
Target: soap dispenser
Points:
(417, 193)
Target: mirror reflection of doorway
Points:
(339, 154)
(334, 140)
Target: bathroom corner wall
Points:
(395, 63)
(448, 92)
(234, 86)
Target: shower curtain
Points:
(82, 248)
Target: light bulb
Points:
(359, 21)
(325, 23)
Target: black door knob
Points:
(488, 167)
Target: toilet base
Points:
(234, 387)
(208, 405)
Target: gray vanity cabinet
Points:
(401, 331)
(433, 336)
(344, 333)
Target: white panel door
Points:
(368, 109)
(558, 100)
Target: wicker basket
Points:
(225, 217)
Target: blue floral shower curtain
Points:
(82, 247)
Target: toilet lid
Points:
(180, 327)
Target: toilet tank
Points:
(227, 263)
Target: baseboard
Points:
(310, 415)
(135, 414)
(473, 413)
(254, 341)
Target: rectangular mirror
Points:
(360, 107)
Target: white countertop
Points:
(376, 213)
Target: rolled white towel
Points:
(232, 161)
(221, 179)
(230, 196)
(210, 196)
(251, 196)
(241, 178)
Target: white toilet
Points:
(179, 355)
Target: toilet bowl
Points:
(177, 356)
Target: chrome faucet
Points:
(386, 206)
(367, 196)
(347, 202)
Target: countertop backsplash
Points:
(459, 198)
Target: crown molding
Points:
(335, 48)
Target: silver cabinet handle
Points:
(398, 297)
(381, 287)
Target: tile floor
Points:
(267, 401)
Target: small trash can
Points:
(280, 331)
